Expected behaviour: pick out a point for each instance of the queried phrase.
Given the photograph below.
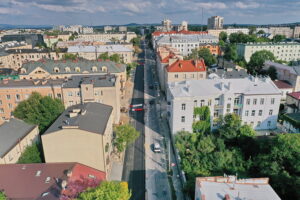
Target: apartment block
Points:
(185, 43)
(15, 58)
(82, 133)
(92, 52)
(286, 51)
(73, 90)
(108, 37)
(255, 100)
(215, 22)
(229, 31)
(15, 136)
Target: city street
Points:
(134, 163)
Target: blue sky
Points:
(100, 12)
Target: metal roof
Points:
(94, 119)
(11, 132)
(98, 49)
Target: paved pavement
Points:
(134, 162)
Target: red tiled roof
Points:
(167, 58)
(282, 84)
(158, 33)
(187, 66)
(296, 95)
(28, 181)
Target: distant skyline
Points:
(101, 12)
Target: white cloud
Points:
(9, 11)
(135, 7)
(206, 5)
(249, 5)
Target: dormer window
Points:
(56, 69)
(67, 69)
(94, 69)
(104, 69)
(77, 69)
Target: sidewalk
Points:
(117, 169)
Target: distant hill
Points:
(9, 26)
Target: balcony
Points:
(237, 106)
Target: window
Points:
(236, 101)
(252, 123)
(182, 118)
(70, 94)
(10, 105)
(1, 110)
(228, 105)
(269, 123)
(272, 100)
(217, 101)
(270, 112)
(254, 101)
(202, 103)
(8, 97)
(209, 102)
(216, 113)
(195, 103)
(262, 101)
(0, 102)
(176, 75)
(248, 101)
(260, 113)
(18, 97)
(258, 124)
(253, 113)
(183, 106)
(78, 94)
(236, 111)
(247, 113)
(59, 96)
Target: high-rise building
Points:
(183, 26)
(215, 22)
(167, 24)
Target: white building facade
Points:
(185, 43)
(255, 100)
(286, 51)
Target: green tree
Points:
(104, 56)
(223, 36)
(136, 41)
(69, 56)
(2, 195)
(252, 29)
(231, 127)
(258, 59)
(124, 135)
(130, 66)
(115, 58)
(202, 117)
(30, 155)
(231, 52)
(39, 110)
(261, 32)
(272, 72)
(278, 38)
(108, 190)
(209, 59)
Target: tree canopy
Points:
(108, 190)
(232, 149)
(104, 56)
(39, 110)
(231, 52)
(278, 38)
(69, 56)
(244, 38)
(205, 54)
(114, 57)
(124, 135)
(2, 196)
(223, 36)
(258, 59)
(30, 155)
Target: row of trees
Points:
(234, 149)
(114, 57)
(235, 38)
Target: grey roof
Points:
(97, 81)
(21, 83)
(84, 65)
(269, 44)
(94, 120)
(228, 74)
(17, 51)
(186, 38)
(218, 190)
(207, 87)
(292, 69)
(11, 132)
(99, 49)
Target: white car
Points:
(156, 148)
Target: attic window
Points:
(45, 194)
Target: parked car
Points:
(156, 148)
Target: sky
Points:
(103, 12)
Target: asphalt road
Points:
(134, 163)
